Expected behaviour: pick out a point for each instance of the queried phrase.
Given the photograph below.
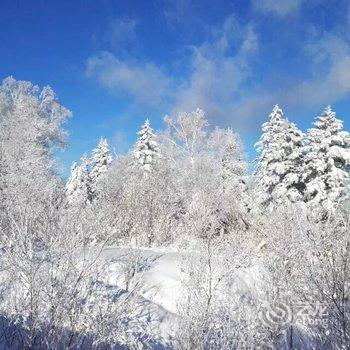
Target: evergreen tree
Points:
(327, 161)
(101, 160)
(78, 187)
(279, 166)
(146, 152)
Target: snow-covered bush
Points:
(213, 313)
(307, 264)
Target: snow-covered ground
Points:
(159, 273)
(159, 286)
(158, 282)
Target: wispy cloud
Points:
(146, 82)
(121, 31)
(279, 8)
(220, 74)
(218, 68)
(330, 57)
(176, 15)
(329, 60)
(119, 143)
(218, 71)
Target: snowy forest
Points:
(175, 244)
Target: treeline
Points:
(192, 180)
(286, 226)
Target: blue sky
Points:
(114, 63)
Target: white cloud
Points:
(280, 8)
(218, 73)
(221, 77)
(219, 67)
(329, 57)
(146, 82)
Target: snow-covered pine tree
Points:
(146, 152)
(78, 187)
(278, 168)
(327, 152)
(101, 160)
